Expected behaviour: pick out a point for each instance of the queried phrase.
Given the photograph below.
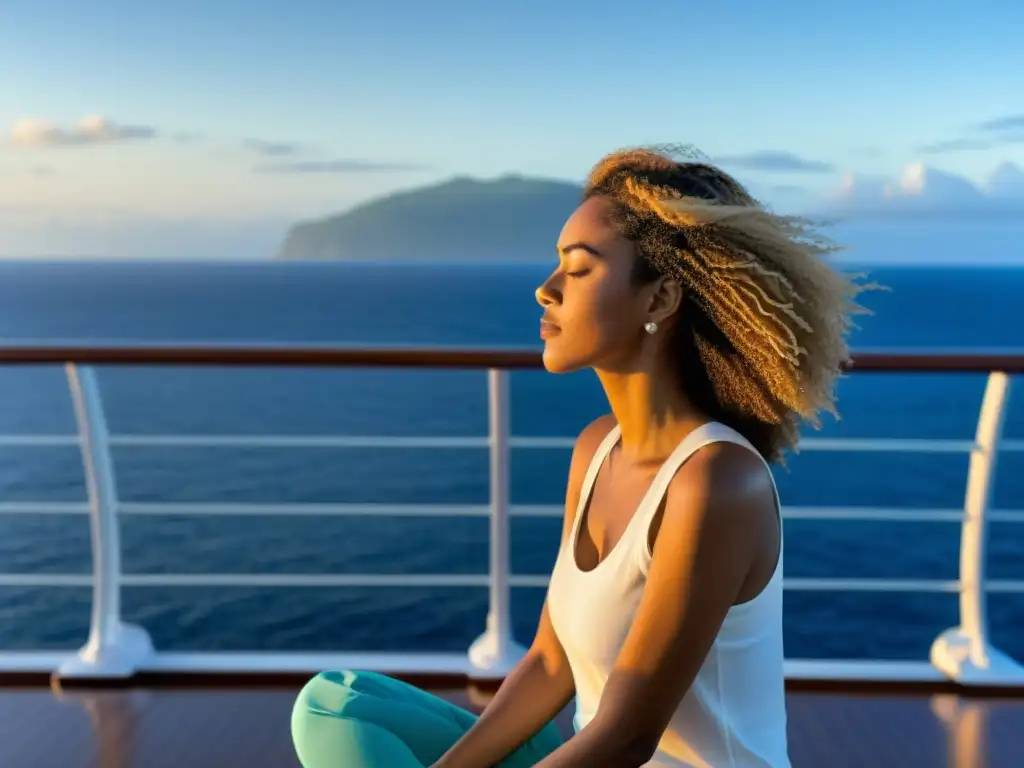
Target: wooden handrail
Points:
(306, 355)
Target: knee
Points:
(336, 721)
(308, 692)
(323, 694)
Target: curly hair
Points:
(760, 337)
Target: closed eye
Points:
(578, 273)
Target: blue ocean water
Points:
(488, 304)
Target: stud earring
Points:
(651, 328)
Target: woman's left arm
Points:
(719, 511)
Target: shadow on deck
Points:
(168, 728)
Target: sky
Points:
(206, 127)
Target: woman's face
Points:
(594, 314)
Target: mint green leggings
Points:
(365, 720)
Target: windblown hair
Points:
(760, 337)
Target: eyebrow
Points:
(565, 250)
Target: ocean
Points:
(468, 304)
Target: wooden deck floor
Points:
(248, 728)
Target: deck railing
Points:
(963, 654)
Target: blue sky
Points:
(232, 116)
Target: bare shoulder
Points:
(729, 471)
(587, 443)
(725, 484)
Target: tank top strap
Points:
(710, 432)
(690, 444)
(603, 449)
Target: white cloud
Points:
(859, 190)
(1006, 181)
(35, 133)
(923, 189)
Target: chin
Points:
(560, 363)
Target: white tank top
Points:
(734, 714)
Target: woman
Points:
(715, 328)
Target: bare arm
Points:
(541, 685)
(719, 514)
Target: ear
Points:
(665, 299)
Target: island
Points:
(511, 218)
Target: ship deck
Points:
(247, 725)
(233, 709)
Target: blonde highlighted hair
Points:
(760, 338)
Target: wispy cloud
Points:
(775, 161)
(35, 133)
(340, 166)
(1008, 129)
(999, 131)
(1006, 124)
(272, 148)
(954, 145)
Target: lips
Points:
(548, 329)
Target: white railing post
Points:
(495, 652)
(113, 649)
(963, 653)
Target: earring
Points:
(651, 328)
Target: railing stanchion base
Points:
(126, 650)
(491, 656)
(952, 655)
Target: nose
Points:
(547, 294)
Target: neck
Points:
(653, 413)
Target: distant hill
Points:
(507, 219)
